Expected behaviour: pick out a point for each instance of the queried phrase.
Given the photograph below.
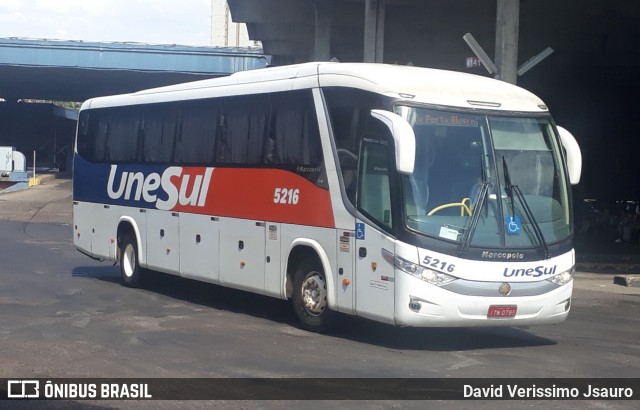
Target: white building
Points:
(226, 33)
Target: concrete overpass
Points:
(590, 81)
(584, 33)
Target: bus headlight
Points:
(436, 278)
(428, 275)
(564, 277)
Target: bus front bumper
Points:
(420, 304)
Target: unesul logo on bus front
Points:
(533, 272)
(136, 186)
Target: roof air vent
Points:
(484, 103)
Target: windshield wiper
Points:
(511, 189)
(465, 241)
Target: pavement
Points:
(599, 261)
(48, 201)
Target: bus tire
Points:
(309, 297)
(131, 274)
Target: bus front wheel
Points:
(309, 297)
(130, 271)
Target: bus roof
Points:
(412, 84)
(432, 86)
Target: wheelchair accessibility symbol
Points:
(359, 231)
(513, 224)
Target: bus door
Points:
(375, 279)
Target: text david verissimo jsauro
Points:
(533, 392)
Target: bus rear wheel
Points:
(309, 297)
(131, 274)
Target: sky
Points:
(185, 22)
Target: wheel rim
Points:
(314, 294)
(129, 260)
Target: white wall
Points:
(224, 32)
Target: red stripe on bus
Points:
(264, 194)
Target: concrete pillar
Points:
(322, 48)
(507, 26)
(374, 14)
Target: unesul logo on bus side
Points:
(136, 186)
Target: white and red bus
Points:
(406, 195)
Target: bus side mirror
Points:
(403, 137)
(574, 156)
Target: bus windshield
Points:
(486, 181)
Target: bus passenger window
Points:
(196, 133)
(294, 138)
(122, 135)
(158, 133)
(242, 130)
(98, 149)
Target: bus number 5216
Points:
(286, 196)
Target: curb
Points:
(628, 281)
(26, 183)
(612, 268)
(39, 179)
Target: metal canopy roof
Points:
(76, 71)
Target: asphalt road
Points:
(65, 315)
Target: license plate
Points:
(502, 311)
